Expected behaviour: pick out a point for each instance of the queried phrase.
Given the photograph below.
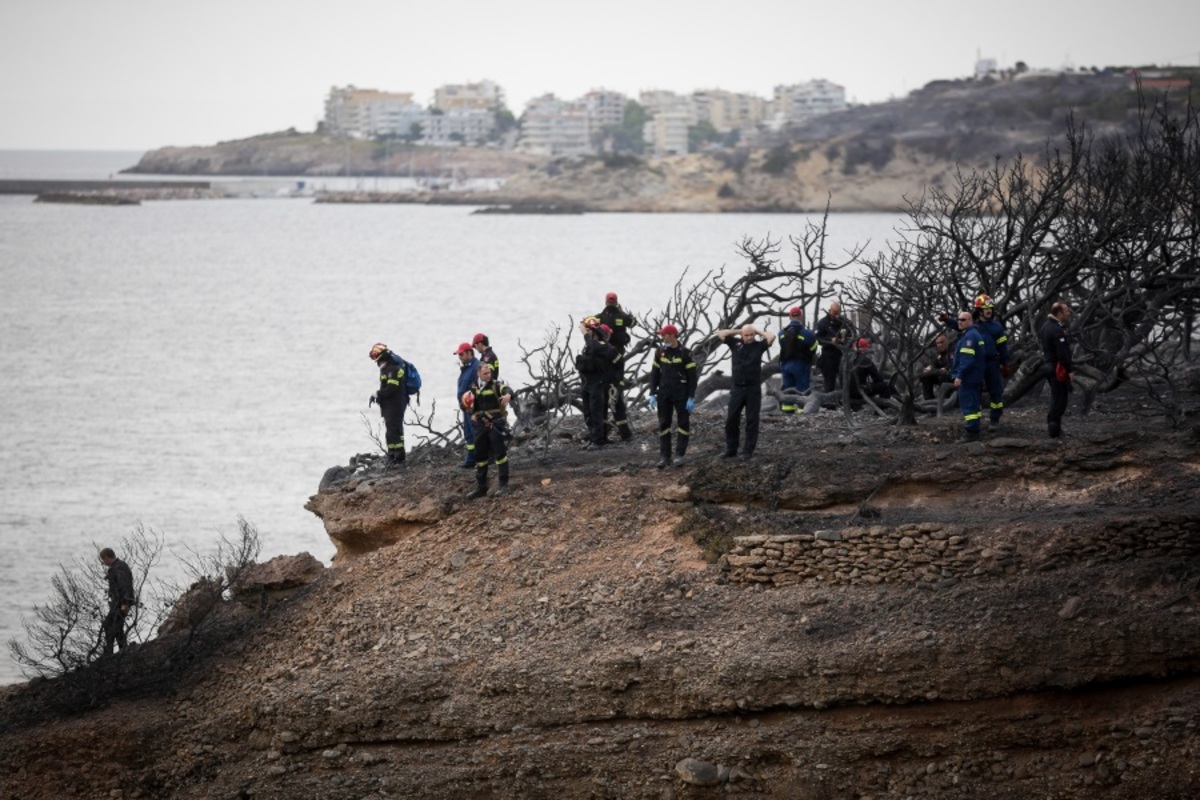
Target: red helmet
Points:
(607, 331)
(479, 339)
(377, 350)
(984, 301)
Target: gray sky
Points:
(141, 74)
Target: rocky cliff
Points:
(857, 612)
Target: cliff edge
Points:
(866, 612)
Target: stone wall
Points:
(938, 556)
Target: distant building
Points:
(483, 96)
(801, 101)
(728, 111)
(985, 67)
(554, 127)
(457, 127)
(366, 113)
(670, 116)
(605, 108)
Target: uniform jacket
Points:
(970, 354)
(488, 356)
(994, 329)
(747, 360)
(391, 392)
(597, 358)
(487, 401)
(621, 322)
(797, 343)
(470, 371)
(1056, 345)
(673, 369)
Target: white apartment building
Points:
(605, 107)
(802, 101)
(666, 131)
(484, 95)
(364, 113)
(556, 127)
(457, 127)
(727, 111)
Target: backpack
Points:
(412, 380)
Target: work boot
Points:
(680, 461)
(501, 490)
(970, 435)
(1055, 430)
(478, 492)
(664, 462)
(467, 465)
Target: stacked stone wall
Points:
(938, 556)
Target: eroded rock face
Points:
(362, 515)
(570, 640)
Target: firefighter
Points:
(468, 366)
(486, 354)
(996, 367)
(797, 350)
(1056, 364)
(487, 403)
(392, 398)
(970, 355)
(594, 363)
(673, 379)
(619, 322)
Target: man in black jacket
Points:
(746, 350)
(832, 333)
(594, 364)
(392, 398)
(120, 599)
(673, 381)
(1056, 364)
(619, 322)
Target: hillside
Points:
(894, 615)
(868, 158)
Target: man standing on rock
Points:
(746, 350)
(996, 368)
(1056, 364)
(970, 355)
(487, 402)
(673, 381)
(797, 350)
(468, 368)
(619, 322)
(486, 354)
(120, 599)
(392, 398)
(832, 333)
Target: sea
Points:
(184, 364)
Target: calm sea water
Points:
(180, 364)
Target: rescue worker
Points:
(996, 367)
(392, 398)
(1056, 364)
(619, 322)
(486, 354)
(594, 364)
(487, 403)
(673, 379)
(121, 599)
(970, 355)
(468, 368)
(797, 351)
(832, 332)
(746, 351)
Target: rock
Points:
(697, 773)
(280, 574)
(1071, 608)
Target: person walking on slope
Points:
(832, 332)
(1056, 364)
(746, 350)
(969, 356)
(392, 398)
(995, 368)
(486, 354)
(619, 322)
(120, 599)
(797, 351)
(487, 402)
(673, 380)
(468, 366)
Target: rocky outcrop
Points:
(581, 637)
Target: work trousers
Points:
(491, 444)
(831, 364)
(748, 399)
(970, 400)
(673, 405)
(114, 630)
(994, 382)
(1060, 392)
(468, 429)
(393, 421)
(797, 377)
(594, 395)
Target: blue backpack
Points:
(412, 380)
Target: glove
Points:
(371, 402)
(943, 317)
(1061, 375)
(1005, 370)
(691, 404)
(653, 403)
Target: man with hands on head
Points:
(747, 347)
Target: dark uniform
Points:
(120, 600)
(797, 351)
(488, 356)
(970, 354)
(1056, 366)
(673, 382)
(746, 394)
(994, 365)
(490, 418)
(868, 380)
(465, 379)
(937, 372)
(393, 400)
(595, 365)
(620, 322)
(831, 332)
